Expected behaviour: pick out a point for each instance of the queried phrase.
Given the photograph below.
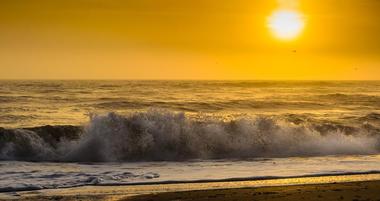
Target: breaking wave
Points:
(158, 135)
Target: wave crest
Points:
(162, 135)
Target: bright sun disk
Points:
(286, 24)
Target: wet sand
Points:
(355, 191)
(344, 187)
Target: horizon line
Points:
(86, 79)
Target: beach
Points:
(341, 187)
(353, 191)
(156, 100)
(112, 140)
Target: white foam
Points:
(158, 135)
(18, 176)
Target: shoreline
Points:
(353, 191)
(142, 192)
(191, 182)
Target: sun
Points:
(286, 24)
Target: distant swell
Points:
(158, 135)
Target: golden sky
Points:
(187, 39)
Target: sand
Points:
(355, 191)
(344, 187)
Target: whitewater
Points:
(57, 134)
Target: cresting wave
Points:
(158, 135)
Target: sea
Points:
(60, 134)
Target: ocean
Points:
(72, 133)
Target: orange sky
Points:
(187, 39)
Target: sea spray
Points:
(159, 135)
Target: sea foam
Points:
(158, 135)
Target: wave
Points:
(315, 102)
(194, 106)
(371, 117)
(157, 135)
(148, 179)
(342, 97)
